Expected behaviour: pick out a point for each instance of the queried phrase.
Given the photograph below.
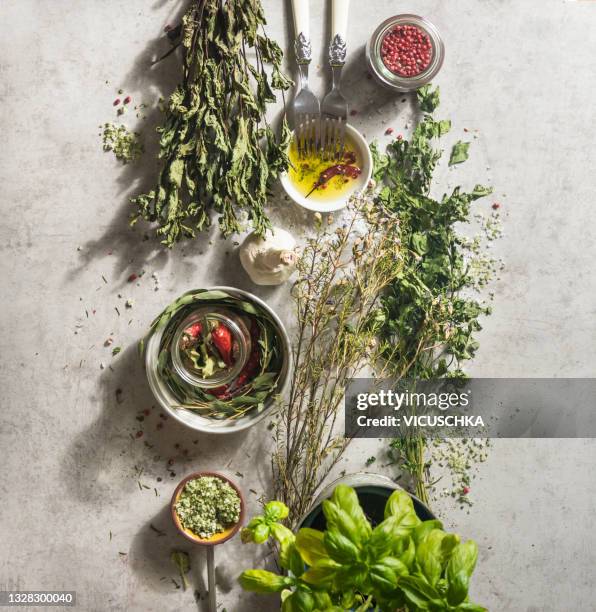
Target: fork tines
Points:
(333, 134)
(308, 134)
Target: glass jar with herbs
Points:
(217, 358)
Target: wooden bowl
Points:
(218, 538)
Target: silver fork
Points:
(306, 106)
(334, 110)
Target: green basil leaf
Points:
(299, 601)
(399, 504)
(346, 498)
(383, 578)
(262, 581)
(309, 543)
(470, 607)
(261, 533)
(429, 556)
(340, 520)
(339, 547)
(323, 573)
(459, 569)
(276, 511)
(419, 593)
(422, 530)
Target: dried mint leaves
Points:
(219, 152)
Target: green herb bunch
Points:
(218, 151)
(254, 392)
(429, 315)
(401, 564)
(341, 274)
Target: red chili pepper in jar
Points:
(194, 331)
(221, 337)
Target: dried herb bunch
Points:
(430, 315)
(218, 151)
(342, 273)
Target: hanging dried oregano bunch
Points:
(218, 151)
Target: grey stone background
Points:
(520, 72)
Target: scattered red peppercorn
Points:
(170, 462)
(466, 490)
(496, 206)
(116, 101)
(132, 278)
(353, 112)
(127, 100)
(406, 50)
(139, 434)
(389, 131)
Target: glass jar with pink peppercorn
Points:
(405, 52)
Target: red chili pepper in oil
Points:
(339, 169)
(222, 339)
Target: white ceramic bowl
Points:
(192, 419)
(363, 153)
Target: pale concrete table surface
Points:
(73, 515)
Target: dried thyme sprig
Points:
(218, 151)
(340, 277)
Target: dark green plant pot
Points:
(373, 491)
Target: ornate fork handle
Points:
(303, 49)
(337, 51)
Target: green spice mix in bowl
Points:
(208, 506)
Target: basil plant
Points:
(402, 564)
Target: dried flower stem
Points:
(341, 276)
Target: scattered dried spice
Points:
(218, 150)
(208, 505)
(124, 143)
(460, 457)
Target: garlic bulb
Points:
(269, 260)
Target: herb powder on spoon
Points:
(208, 505)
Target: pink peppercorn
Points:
(466, 490)
(139, 434)
(127, 100)
(406, 50)
(388, 131)
(496, 206)
(116, 101)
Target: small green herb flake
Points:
(124, 143)
(459, 153)
(428, 98)
(182, 561)
(370, 461)
(116, 350)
